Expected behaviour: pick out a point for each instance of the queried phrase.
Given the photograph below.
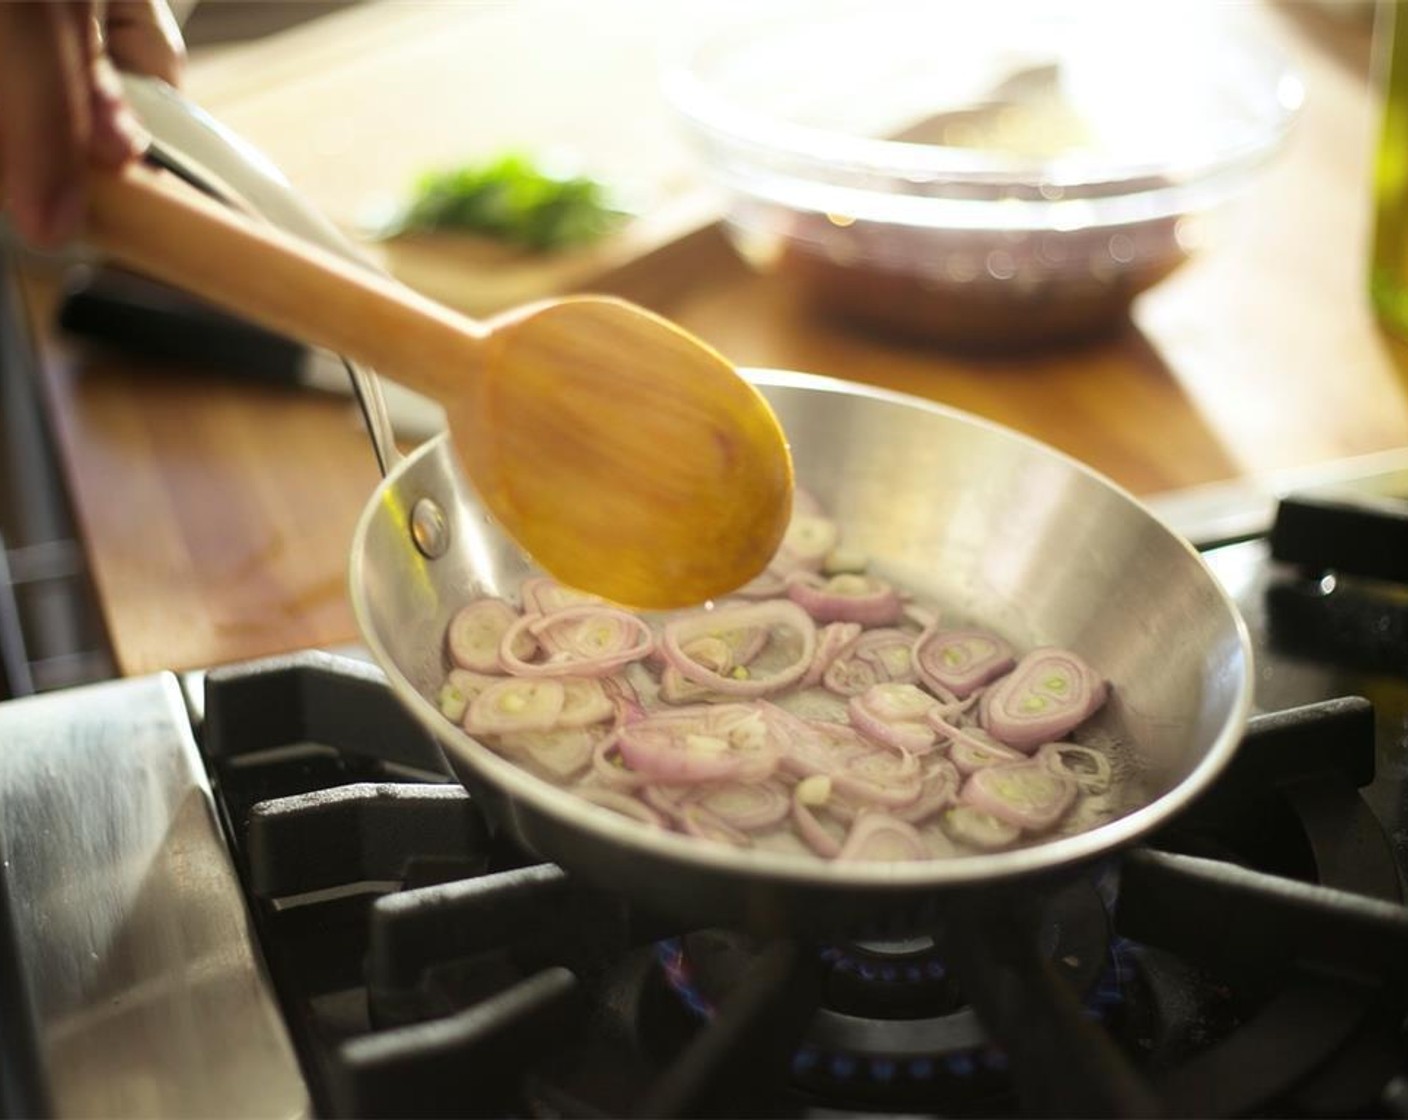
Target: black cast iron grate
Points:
(427, 968)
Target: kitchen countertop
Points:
(216, 513)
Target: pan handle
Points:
(191, 144)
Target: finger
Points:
(44, 102)
(142, 36)
(116, 135)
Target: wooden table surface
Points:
(216, 513)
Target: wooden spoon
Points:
(624, 455)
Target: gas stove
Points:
(258, 891)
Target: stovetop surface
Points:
(438, 960)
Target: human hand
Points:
(61, 105)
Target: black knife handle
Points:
(149, 320)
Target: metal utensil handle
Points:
(240, 176)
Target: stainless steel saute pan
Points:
(996, 528)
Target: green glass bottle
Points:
(1388, 275)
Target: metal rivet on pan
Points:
(430, 529)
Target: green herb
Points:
(513, 199)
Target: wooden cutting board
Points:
(354, 106)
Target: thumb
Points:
(142, 36)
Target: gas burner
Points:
(892, 1025)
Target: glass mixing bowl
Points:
(992, 174)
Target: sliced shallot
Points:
(807, 796)
(978, 828)
(847, 597)
(819, 703)
(711, 743)
(747, 806)
(879, 837)
(880, 777)
(744, 642)
(460, 687)
(959, 661)
(562, 753)
(774, 614)
(477, 629)
(971, 748)
(542, 595)
(937, 793)
(831, 641)
(676, 688)
(675, 754)
(515, 704)
(622, 803)
(821, 747)
(1050, 693)
(584, 701)
(891, 651)
(625, 699)
(609, 767)
(578, 640)
(1089, 768)
(699, 821)
(895, 714)
(876, 657)
(769, 585)
(713, 652)
(808, 540)
(1030, 794)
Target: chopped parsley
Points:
(513, 199)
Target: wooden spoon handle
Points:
(153, 223)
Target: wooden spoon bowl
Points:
(625, 456)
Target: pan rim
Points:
(762, 866)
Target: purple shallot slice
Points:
(544, 595)
(810, 537)
(960, 661)
(622, 803)
(821, 747)
(881, 777)
(831, 641)
(1089, 768)
(971, 748)
(703, 744)
(808, 795)
(696, 820)
(1030, 795)
(847, 597)
(978, 828)
(514, 704)
(561, 753)
(578, 641)
(460, 687)
(1050, 693)
(777, 614)
(746, 806)
(475, 632)
(878, 656)
(880, 838)
(938, 791)
(585, 700)
(895, 714)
